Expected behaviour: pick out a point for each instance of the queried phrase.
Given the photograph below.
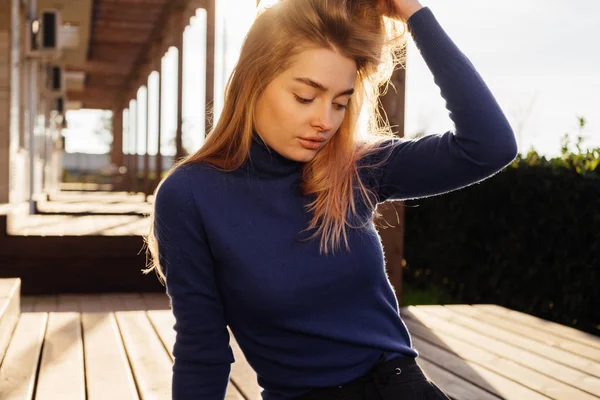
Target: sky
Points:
(538, 58)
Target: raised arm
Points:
(483, 142)
(202, 354)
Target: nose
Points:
(323, 119)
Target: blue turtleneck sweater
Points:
(233, 255)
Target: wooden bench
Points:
(119, 346)
(91, 204)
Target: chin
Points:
(304, 155)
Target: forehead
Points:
(324, 66)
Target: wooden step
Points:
(77, 264)
(10, 309)
(18, 372)
(62, 359)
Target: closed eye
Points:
(302, 100)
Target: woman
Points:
(268, 228)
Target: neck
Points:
(265, 162)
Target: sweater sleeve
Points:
(483, 142)
(202, 355)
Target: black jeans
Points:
(397, 379)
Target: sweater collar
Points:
(266, 162)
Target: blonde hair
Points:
(355, 29)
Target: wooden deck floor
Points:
(117, 346)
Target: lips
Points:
(312, 143)
(314, 139)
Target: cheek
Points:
(287, 112)
(340, 118)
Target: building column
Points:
(179, 28)
(117, 130)
(158, 158)
(116, 151)
(136, 139)
(146, 133)
(45, 127)
(210, 65)
(391, 223)
(132, 146)
(5, 97)
(126, 183)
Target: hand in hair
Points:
(399, 9)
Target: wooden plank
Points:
(163, 322)
(67, 303)
(547, 385)
(91, 303)
(530, 360)
(97, 68)
(45, 303)
(70, 195)
(95, 225)
(151, 365)
(113, 302)
(480, 377)
(88, 206)
(242, 374)
(8, 285)
(27, 303)
(133, 301)
(7, 208)
(453, 385)
(160, 26)
(10, 308)
(18, 370)
(552, 353)
(544, 337)
(233, 393)
(542, 325)
(156, 301)
(61, 373)
(107, 371)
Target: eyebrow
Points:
(317, 85)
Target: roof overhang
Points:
(110, 44)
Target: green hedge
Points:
(527, 239)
